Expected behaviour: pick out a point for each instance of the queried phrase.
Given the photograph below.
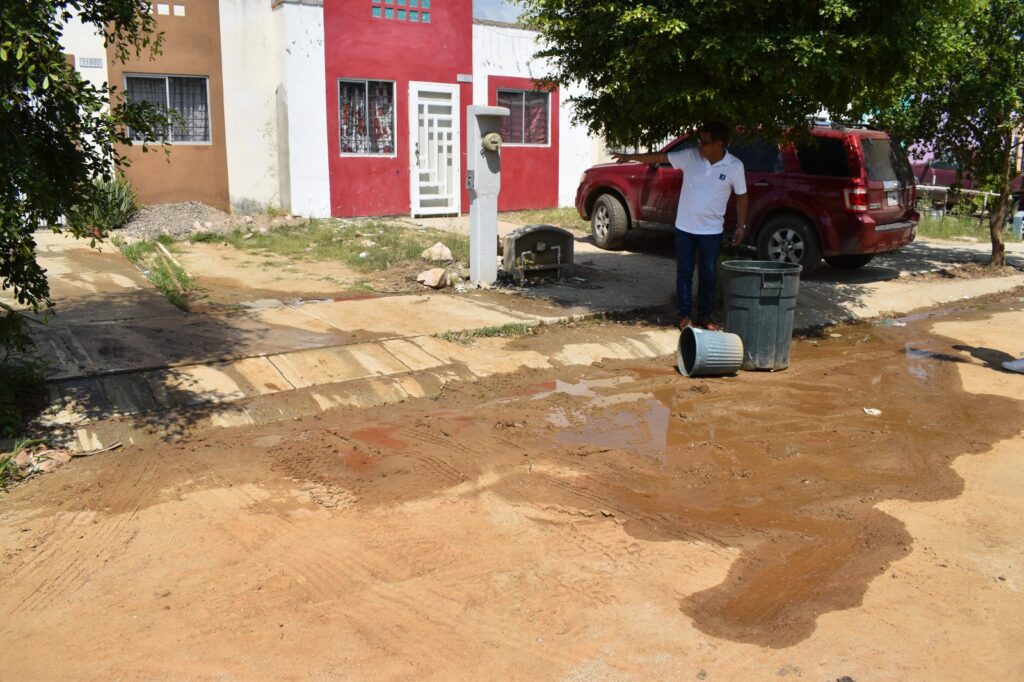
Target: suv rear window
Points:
(886, 160)
(824, 156)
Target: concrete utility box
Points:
(483, 180)
(538, 251)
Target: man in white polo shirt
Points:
(710, 175)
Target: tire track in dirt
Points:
(61, 571)
(375, 578)
(273, 529)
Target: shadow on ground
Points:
(132, 354)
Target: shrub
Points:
(22, 394)
(114, 203)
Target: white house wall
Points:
(86, 44)
(251, 71)
(302, 108)
(500, 50)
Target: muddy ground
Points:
(614, 522)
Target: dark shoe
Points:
(684, 322)
(709, 325)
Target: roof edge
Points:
(500, 24)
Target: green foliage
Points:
(967, 110)
(114, 205)
(10, 472)
(205, 238)
(952, 226)
(653, 68)
(167, 276)
(22, 394)
(58, 132)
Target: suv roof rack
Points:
(825, 122)
(845, 125)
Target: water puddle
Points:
(644, 431)
(582, 389)
(933, 314)
(921, 362)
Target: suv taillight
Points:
(856, 199)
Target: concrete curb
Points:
(440, 364)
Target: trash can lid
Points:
(761, 266)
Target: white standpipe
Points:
(483, 180)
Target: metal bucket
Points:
(704, 354)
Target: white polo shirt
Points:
(706, 189)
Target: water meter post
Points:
(483, 180)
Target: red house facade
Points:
(346, 108)
(398, 79)
(530, 143)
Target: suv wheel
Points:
(789, 239)
(849, 262)
(609, 222)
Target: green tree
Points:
(653, 68)
(58, 133)
(970, 110)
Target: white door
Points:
(434, 148)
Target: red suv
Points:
(845, 194)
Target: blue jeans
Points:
(700, 250)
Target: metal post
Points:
(483, 180)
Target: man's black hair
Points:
(718, 131)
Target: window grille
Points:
(418, 12)
(367, 117)
(528, 122)
(185, 98)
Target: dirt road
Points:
(619, 522)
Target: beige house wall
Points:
(192, 171)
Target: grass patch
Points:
(10, 472)
(173, 281)
(169, 278)
(566, 218)
(513, 330)
(364, 246)
(950, 226)
(205, 238)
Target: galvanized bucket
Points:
(703, 354)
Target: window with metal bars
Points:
(415, 11)
(185, 98)
(366, 112)
(528, 122)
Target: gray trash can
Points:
(759, 300)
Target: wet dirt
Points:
(786, 466)
(785, 471)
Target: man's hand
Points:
(738, 234)
(621, 157)
(741, 219)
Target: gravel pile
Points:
(176, 220)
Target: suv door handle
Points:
(763, 183)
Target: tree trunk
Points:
(997, 216)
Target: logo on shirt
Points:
(721, 176)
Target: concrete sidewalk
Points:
(119, 349)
